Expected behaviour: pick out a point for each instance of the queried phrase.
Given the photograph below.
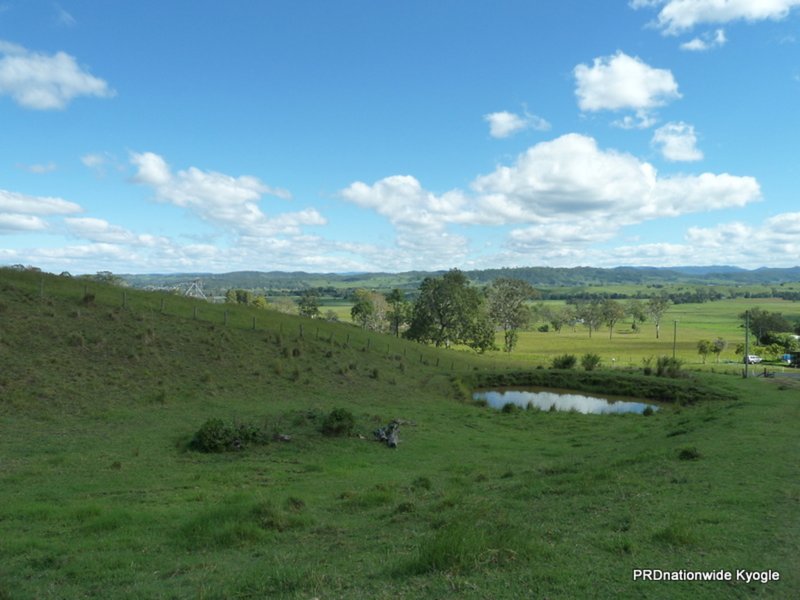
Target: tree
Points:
(399, 310)
(655, 309)
(508, 309)
(612, 311)
(260, 302)
(718, 347)
(309, 304)
(369, 310)
(590, 312)
(763, 323)
(636, 310)
(704, 348)
(362, 309)
(448, 311)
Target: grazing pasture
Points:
(103, 496)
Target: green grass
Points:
(101, 497)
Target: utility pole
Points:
(674, 337)
(746, 344)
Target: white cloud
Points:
(561, 189)
(45, 82)
(623, 82)
(706, 42)
(570, 177)
(504, 124)
(642, 120)
(678, 16)
(677, 142)
(14, 202)
(419, 216)
(101, 231)
(10, 222)
(231, 203)
(560, 234)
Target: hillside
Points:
(103, 388)
(540, 277)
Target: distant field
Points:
(691, 323)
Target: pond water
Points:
(562, 400)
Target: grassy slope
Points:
(100, 498)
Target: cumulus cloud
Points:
(14, 202)
(231, 203)
(776, 239)
(23, 213)
(570, 177)
(15, 222)
(622, 82)
(706, 42)
(677, 142)
(556, 192)
(101, 231)
(419, 216)
(42, 81)
(504, 124)
(677, 16)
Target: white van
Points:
(752, 359)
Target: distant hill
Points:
(542, 277)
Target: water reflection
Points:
(561, 400)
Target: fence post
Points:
(162, 305)
(254, 323)
(195, 312)
(301, 331)
(226, 318)
(369, 340)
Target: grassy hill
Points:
(101, 496)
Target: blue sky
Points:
(358, 135)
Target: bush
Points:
(689, 454)
(339, 422)
(668, 367)
(590, 361)
(510, 407)
(217, 436)
(565, 361)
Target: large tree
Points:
(399, 310)
(309, 304)
(763, 323)
(655, 309)
(613, 312)
(508, 307)
(369, 310)
(590, 313)
(449, 311)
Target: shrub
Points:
(213, 436)
(668, 367)
(590, 361)
(565, 361)
(510, 407)
(647, 365)
(339, 422)
(689, 454)
(217, 436)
